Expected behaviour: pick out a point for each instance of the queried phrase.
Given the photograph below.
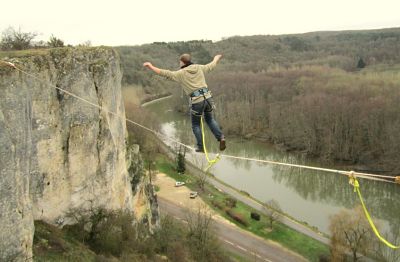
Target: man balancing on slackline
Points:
(191, 77)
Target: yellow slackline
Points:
(354, 182)
(211, 162)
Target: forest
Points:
(330, 95)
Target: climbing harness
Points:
(199, 92)
(352, 175)
(354, 182)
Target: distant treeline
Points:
(260, 53)
(333, 95)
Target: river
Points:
(308, 196)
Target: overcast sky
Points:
(123, 22)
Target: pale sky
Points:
(123, 22)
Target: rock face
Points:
(58, 153)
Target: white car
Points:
(193, 194)
(179, 183)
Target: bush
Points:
(255, 216)
(12, 39)
(237, 217)
(324, 258)
(111, 232)
(230, 202)
(218, 205)
(55, 42)
(116, 236)
(180, 160)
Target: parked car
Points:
(193, 194)
(178, 183)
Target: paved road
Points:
(236, 239)
(247, 200)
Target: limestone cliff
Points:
(59, 154)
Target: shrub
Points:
(218, 205)
(237, 217)
(111, 232)
(13, 39)
(255, 216)
(55, 42)
(230, 202)
(180, 160)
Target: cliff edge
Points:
(58, 153)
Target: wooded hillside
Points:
(333, 95)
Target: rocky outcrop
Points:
(59, 153)
(145, 201)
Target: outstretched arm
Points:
(172, 75)
(217, 58)
(209, 67)
(151, 67)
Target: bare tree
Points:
(201, 237)
(273, 211)
(201, 178)
(350, 232)
(13, 39)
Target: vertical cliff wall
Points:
(58, 153)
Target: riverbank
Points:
(155, 99)
(281, 233)
(246, 197)
(320, 161)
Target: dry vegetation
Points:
(332, 95)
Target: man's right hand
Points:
(147, 64)
(151, 67)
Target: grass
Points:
(46, 51)
(24, 53)
(306, 246)
(236, 258)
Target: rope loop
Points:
(353, 181)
